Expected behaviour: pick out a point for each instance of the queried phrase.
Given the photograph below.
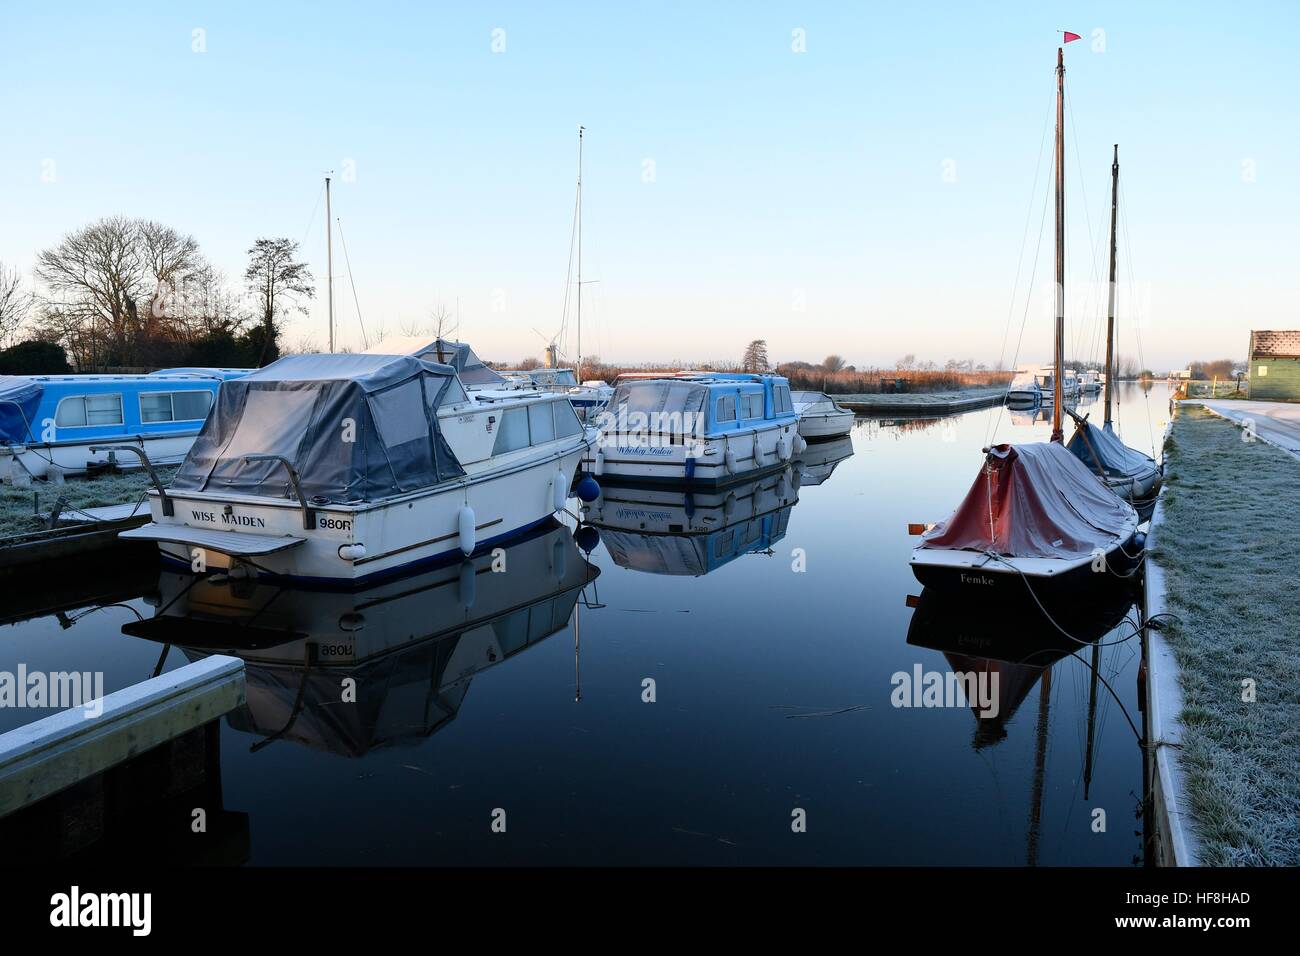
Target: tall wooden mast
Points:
(1110, 308)
(329, 260)
(1058, 370)
(578, 371)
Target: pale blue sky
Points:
(780, 177)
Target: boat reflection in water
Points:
(819, 460)
(1017, 649)
(1019, 643)
(411, 646)
(664, 530)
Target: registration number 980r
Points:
(334, 524)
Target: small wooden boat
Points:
(1035, 517)
(1133, 476)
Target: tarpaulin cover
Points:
(1034, 501)
(356, 427)
(19, 399)
(469, 367)
(1117, 460)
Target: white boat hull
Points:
(819, 426)
(716, 460)
(355, 544)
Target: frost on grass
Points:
(19, 507)
(919, 398)
(1229, 544)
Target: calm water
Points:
(771, 685)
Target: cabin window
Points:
(727, 408)
(175, 406)
(566, 420)
(541, 423)
(783, 402)
(399, 414)
(81, 410)
(453, 394)
(751, 406)
(513, 432)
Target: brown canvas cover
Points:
(1034, 501)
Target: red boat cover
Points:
(1034, 501)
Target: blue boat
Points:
(54, 425)
(705, 428)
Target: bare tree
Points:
(833, 363)
(15, 304)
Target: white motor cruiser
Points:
(343, 469)
(820, 416)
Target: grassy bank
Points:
(1229, 547)
(19, 506)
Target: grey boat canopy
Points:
(471, 369)
(355, 428)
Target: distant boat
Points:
(1133, 476)
(1090, 381)
(69, 424)
(1035, 516)
(1024, 390)
(703, 428)
(820, 416)
(343, 469)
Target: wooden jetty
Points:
(54, 753)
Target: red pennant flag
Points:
(1071, 36)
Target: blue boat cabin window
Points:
(77, 411)
(782, 399)
(187, 406)
(751, 405)
(727, 408)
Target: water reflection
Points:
(352, 672)
(667, 530)
(819, 460)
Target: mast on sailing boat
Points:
(1058, 369)
(1110, 308)
(578, 370)
(329, 260)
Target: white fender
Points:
(783, 448)
(465, 530)
(598, 468)
(559, 492)
(730, 459)
(800, 445)
(558, 558)
(729, 506)
(468, 583)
